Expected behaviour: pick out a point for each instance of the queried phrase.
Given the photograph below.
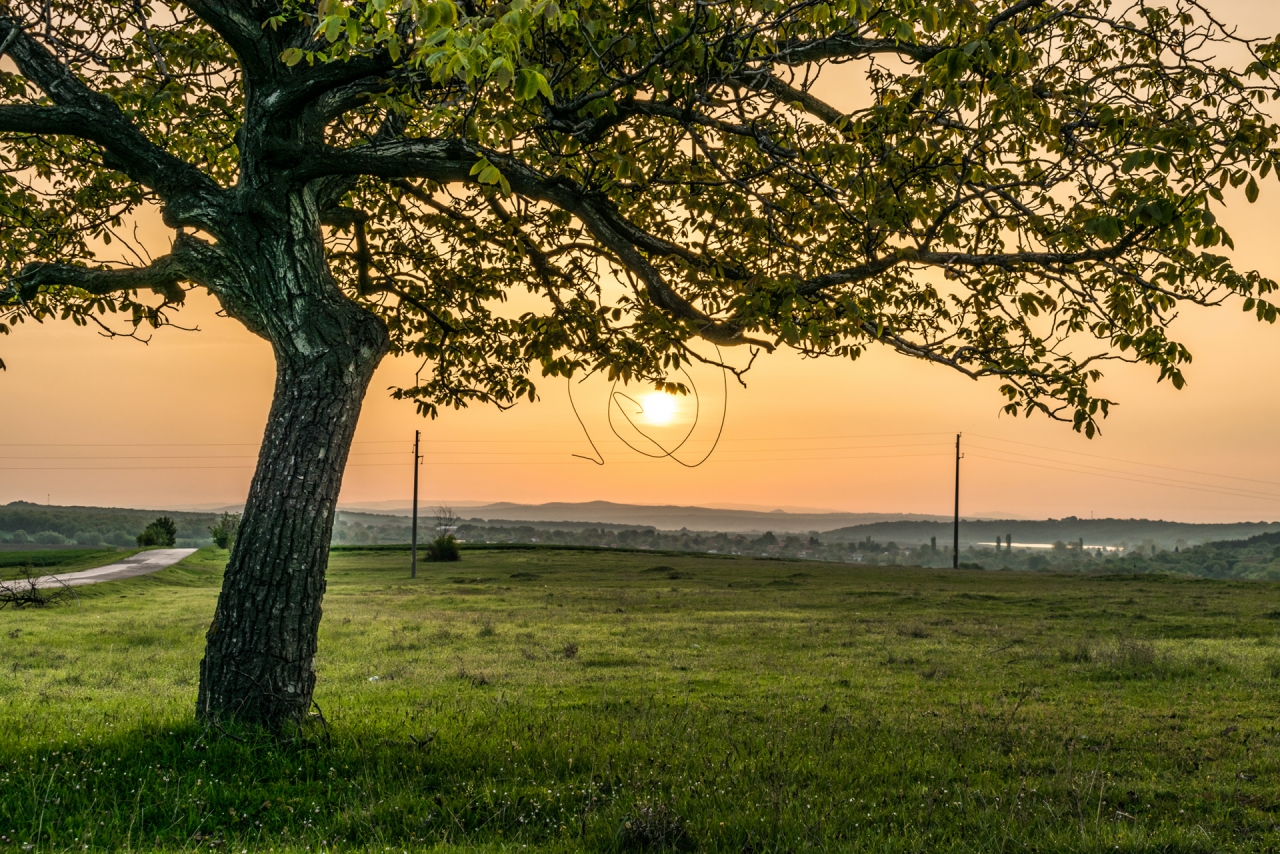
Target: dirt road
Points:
(143, 563)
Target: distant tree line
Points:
(1257, 557)
(24, 522)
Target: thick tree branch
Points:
(789, 94)
(1012, 12)
(79, 111)
(352, 80)
(33, 119)
(448, 161)
(163, 276)
(243, 31)
(1006, 261)
(846, 47)
(451, 162)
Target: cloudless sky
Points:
(86, 420)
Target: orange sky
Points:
(868, 436)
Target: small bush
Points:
(443, 548)
(88, 538)
(162, 532)
(19, 536)
(50, 538)
(224, 533)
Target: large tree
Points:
(1019, 190)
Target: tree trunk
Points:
(258, 658)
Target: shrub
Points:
(19, 536)
(443, 548)
(88, 538)
(162, 532)
(224, 533)
(50, 538)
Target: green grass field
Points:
(566, 701)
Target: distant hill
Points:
(1096, 532)
(664, 517)
(120, 525)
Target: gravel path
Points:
(143, 563)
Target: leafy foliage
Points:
(162, 532)
(443, 548)
(224, 532)
(1016, 190)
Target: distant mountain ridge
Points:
(904, 529)
(901, 528)
(668, 517)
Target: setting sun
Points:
(660, 408)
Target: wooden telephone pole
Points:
(413, 548)
(955, 544)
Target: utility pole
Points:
(955, 546)
(413, 548)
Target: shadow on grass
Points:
(615, 777)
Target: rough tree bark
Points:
(258, 659)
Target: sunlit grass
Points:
(598, 701)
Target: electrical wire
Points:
(732, 452)
(1154, 479)
(1130, 479)
(1129, 462)
(463, 463)
(481, 453)
(452, 441)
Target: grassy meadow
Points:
(567, 701)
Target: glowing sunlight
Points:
(660, 408)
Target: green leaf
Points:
(542, 85)
(1251, 191)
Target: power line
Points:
(179, 457)
(1120, 460)
(1203, 488)
(1155, 479)
(168, 444)
(442, 441)
(464, 463)
(464, 453)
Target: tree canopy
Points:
(1024, 190)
